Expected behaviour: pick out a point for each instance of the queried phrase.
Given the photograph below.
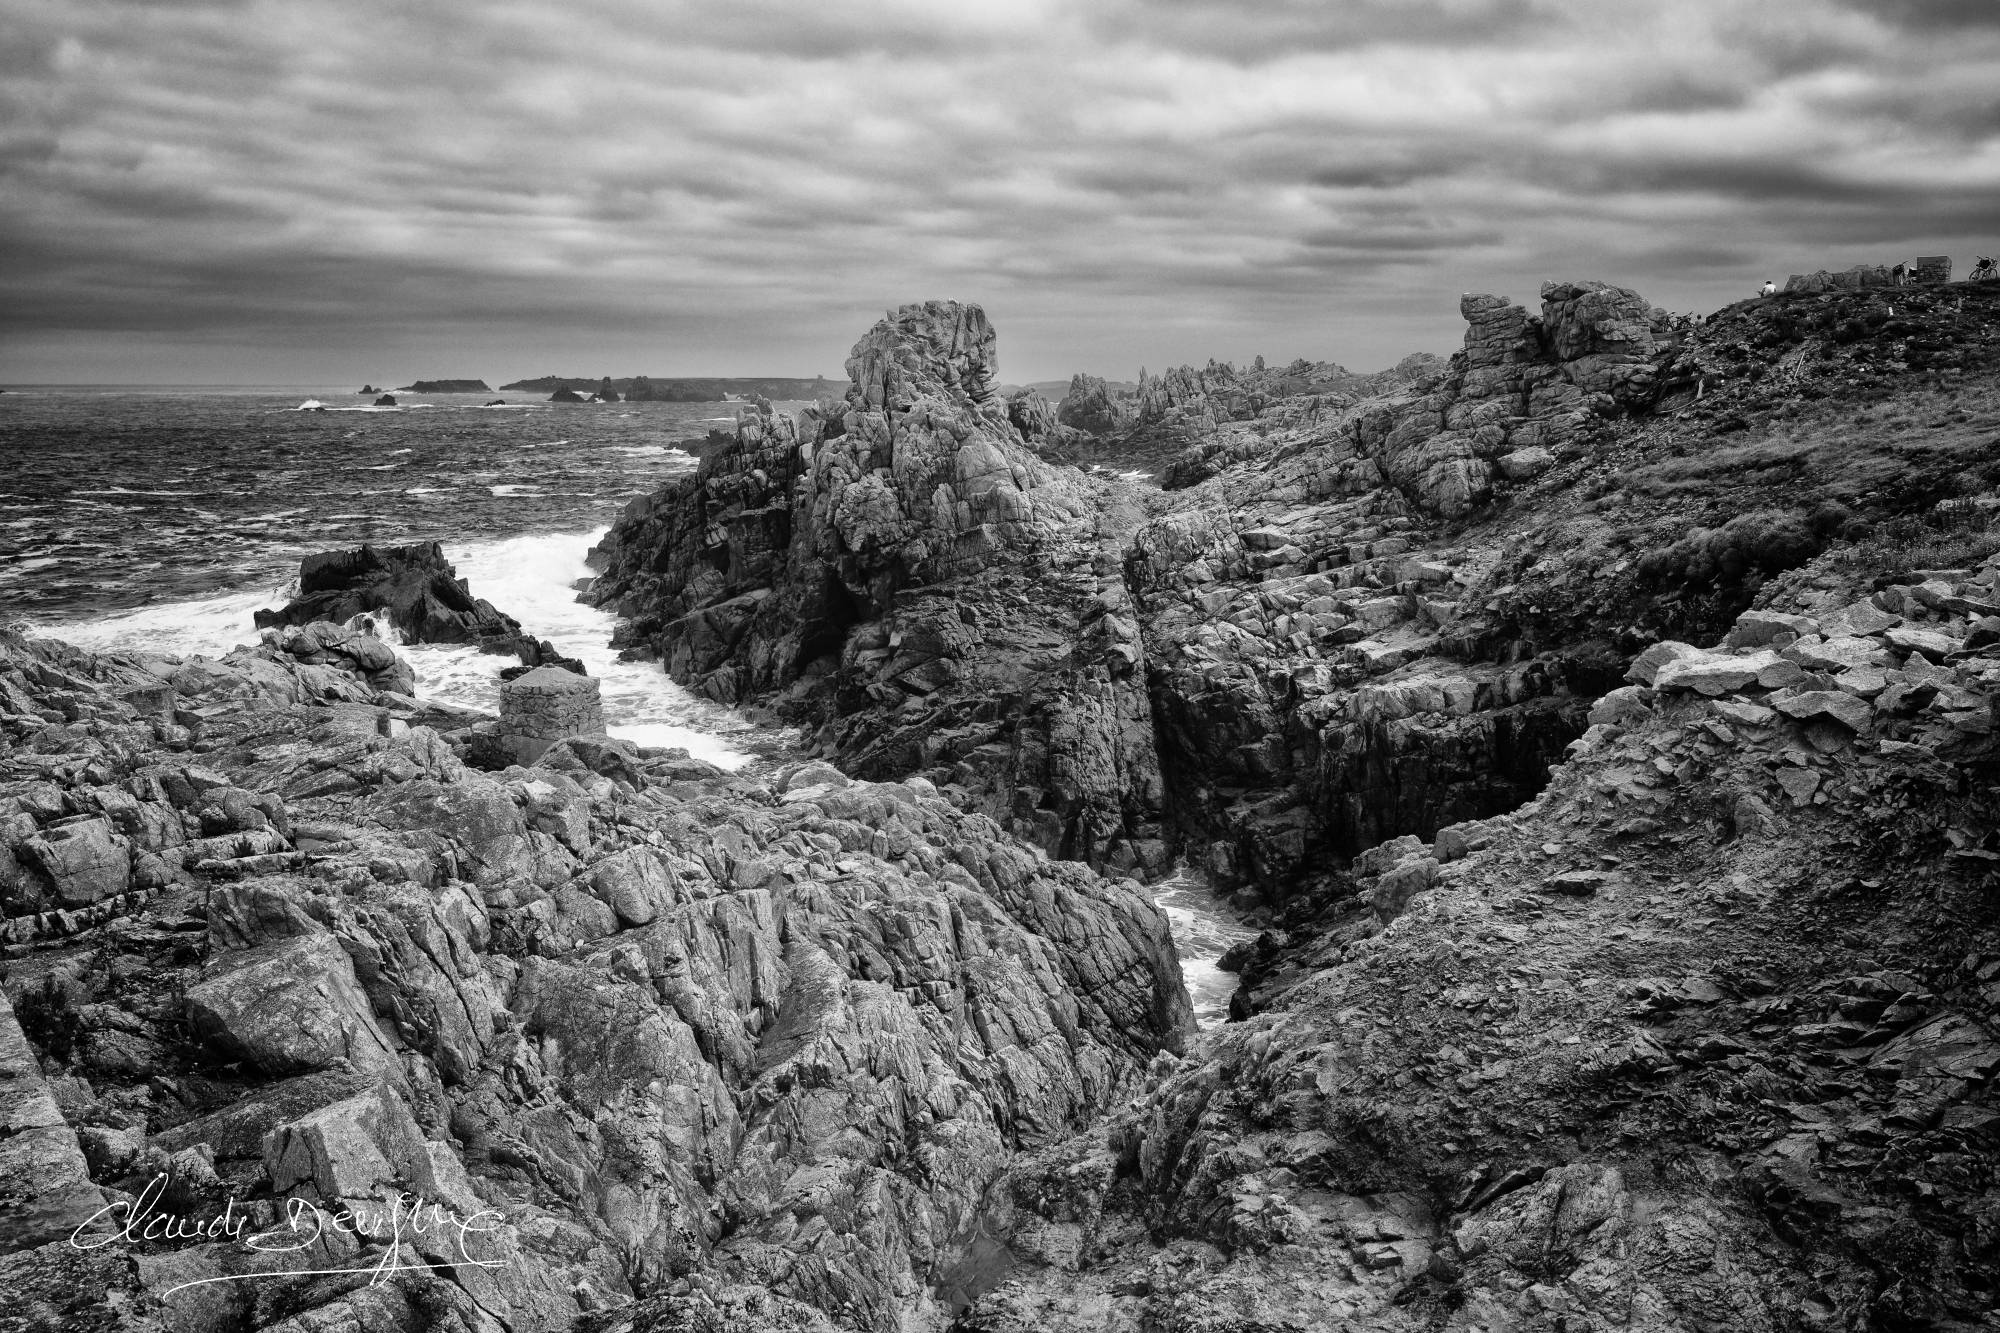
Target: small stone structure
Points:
(1932, 268)
(545, 705)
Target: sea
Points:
(159, 519)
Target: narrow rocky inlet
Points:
(1569, 767)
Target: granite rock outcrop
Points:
(649, 1031)
(901, 572)
(1702, 1037)
(419, 592)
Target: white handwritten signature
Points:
(303, 1225)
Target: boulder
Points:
(1858, 618)
(1526, 464)
(84, 860)
(1930, 644)
(1948, 1046)
(1804, 705)
(1837, 654)
(366, 1146)
(1713, 674)
(290, 1007)
(1756, 629)
(1646, 666)
(1396, 886)
(1628, 703)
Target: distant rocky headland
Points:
(1600, 727)
(643, 389)
(445, 386)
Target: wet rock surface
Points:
(418, 590)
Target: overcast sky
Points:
(385, 189)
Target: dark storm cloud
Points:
(1931, 15)
(708, 188)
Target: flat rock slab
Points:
(1579, 883)
(1948, 1046)
(1713, 675)
(1744, 713)
(1862, 618)
(1840, 654)
(1849, 711)
(1925, 642)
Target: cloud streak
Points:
(246, 190)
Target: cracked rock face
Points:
(1680, 1044)
(669, 1033)
(901, 572)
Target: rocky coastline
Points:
(1599, 723)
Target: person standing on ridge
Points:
(1770, 288)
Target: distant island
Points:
(644, 389)
(446, 386)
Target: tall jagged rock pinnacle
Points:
(900, 570)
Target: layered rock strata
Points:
(1318, 687)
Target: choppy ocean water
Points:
(161, 519)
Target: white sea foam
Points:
(515, 491)
(531, 579)
(1203, 931)
(209, 626)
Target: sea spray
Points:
(532, 578)
(1203, 930)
